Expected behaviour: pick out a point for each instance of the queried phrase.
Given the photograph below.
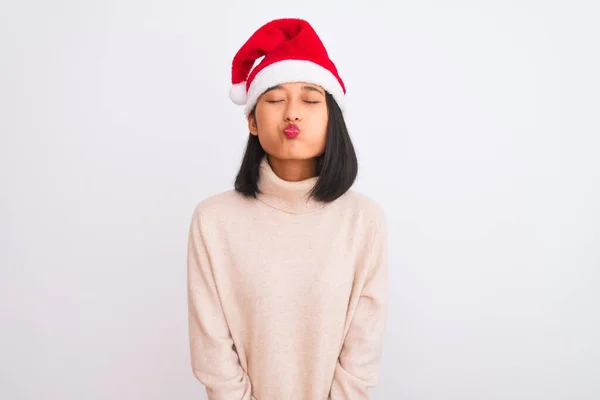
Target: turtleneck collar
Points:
(287, 196)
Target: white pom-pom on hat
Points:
(237, 93)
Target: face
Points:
(298, 103)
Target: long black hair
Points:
(337, 167)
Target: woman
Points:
(287, 274)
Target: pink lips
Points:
(291, 130)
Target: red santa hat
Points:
(293, 52)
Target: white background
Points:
(477, 127)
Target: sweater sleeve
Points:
(357, 367)
(214, 360)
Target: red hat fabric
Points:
(293, 52)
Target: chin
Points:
(293, 155)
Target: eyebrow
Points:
(305, 87)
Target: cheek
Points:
(314, 143)
(268, 136)
(319, 126)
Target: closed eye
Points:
(306, 101)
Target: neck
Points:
(293, 170)
(290, 196)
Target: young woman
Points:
(287, 273)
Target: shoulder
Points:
(219, 206)
(365, 208)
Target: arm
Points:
(214, 361)
(358, 365)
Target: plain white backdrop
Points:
(477, 127)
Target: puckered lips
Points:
(291, 131)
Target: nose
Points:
(292, 113)
(292, 117)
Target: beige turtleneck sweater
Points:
(287, 297)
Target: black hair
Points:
(337, 167)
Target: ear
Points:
(252, 125)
